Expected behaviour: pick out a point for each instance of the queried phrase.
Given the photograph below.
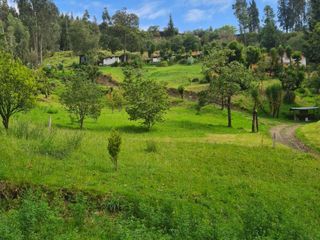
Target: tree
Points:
(289, 52)
(253, 55)
(269, 33)
(314, 13)
(274, 95)
(281, 52)
(234, 78)
(237, 49)
(291, 79)
(241, 12)
(171, 30)
(146, 99)
(82, 98)
(253, 13)
(284, 14)
(116, 99)
(18, 88)
(125, 25)
(313, 47)
(41, 17)
(255, 95)
(114, 144)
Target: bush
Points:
(114, 143)
(289, 97)
(163, 64)
(151, 146)
(194, 80)
(183, 61)
(60, 145)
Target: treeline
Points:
(37, 28)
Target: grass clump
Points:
(151, 146)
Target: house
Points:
(108, 61)
(156, 58)
(286, 60)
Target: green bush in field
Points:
(146, 99)
(114, 143)
(151, 146)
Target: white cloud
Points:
(151, 11)
(195, 15)
(214, 5)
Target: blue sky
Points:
(187, 14)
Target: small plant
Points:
(114, 143)
(151, 146)
(181, 91)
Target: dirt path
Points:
(286, 134)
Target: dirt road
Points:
(286, 134)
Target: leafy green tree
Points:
(82, 98)
(234, 78)
(116, 99)
(18, 88)
(289, 52)
(146, 99)
(291, 79)
(274, 95)
(253, 55)
(237, 49)
(313, 47)
(284, 14)
(114, 144)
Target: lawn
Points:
(310, 134)
(173, 76)
(204, 180)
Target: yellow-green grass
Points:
(199, 162)
(173, 76)
(310, 134)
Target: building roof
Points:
(303, 108)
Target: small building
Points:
(111, 60)
(305, 113)
(286, 60)
(156, 58)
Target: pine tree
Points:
(171, 31)
(314, 13)
(283, 14)
(254, 21)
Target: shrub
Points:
(289, 97)
(60, 145)
(181, 91)
(163, 64)
(151, 146)
(195, 80)
(114, 143)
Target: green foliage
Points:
(114, 144)
(82, 98)
(181, 90)
(146, 99)
(18, 88)
(274, 95)
(253, 55)
(151, 146)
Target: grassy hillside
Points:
(310, 134)
(173, 76)
(202, 180)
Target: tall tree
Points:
(284, 14)
(41, 18)
(126, 25)
(241, 12)
(253, 13)
(171, 30)
(269, 32)
(314, 13)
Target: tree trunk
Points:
(229, 113)
(5, 121)
(222, 103)
(81, 122)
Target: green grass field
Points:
(203, 181)
(173, 76)
(310, 135)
